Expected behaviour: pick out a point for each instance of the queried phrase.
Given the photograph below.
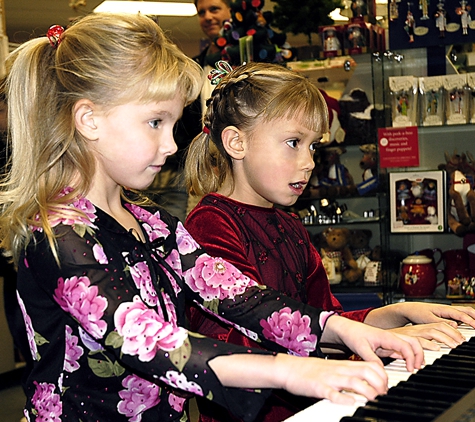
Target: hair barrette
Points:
(54, 35)
(222, 69)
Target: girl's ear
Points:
(234, 142)
(84, 119)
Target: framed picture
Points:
(417, 201)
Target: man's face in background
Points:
(211, 15)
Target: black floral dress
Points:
(106, 327)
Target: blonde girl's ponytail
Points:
(205, 168)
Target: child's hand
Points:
(370, 343)
(314, 377)
(439, 332)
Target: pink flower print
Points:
(47, 404)
(173, 259)
(144, 332)
(290, 330)
(30, 332)
(76, 296)
(324, 318)
(152, 223)
(179, 380)
(215, 278)
(66, 214)
(186, 243)
(141, 275)
(99, 254)
(176, 403)
(73, 351)
(87, 207)
(139, 395)
(170, 307)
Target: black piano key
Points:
(443, 380)
(442, 371)
(396, 415)
(460, 362)
(361, 419)
(404, 389)
(413, 402)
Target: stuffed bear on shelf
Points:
(337, 258)
(330, 178)
(460, 179)
(369, 165)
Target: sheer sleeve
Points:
(127, 334)
(261, 313)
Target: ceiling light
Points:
(153, 8)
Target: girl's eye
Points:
(154, 124)
(293, 143)
(314, 146)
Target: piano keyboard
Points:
(433, 374)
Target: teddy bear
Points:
(460, 174)
(337, 258)
(360, 248)
(369, 164)
(336, 180)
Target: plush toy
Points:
(336, 178)
(369, 164)
(460, 175)
(337, 258)
(359, 246)
(359, 118)
(336, 132)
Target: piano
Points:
(442, 391)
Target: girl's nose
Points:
(168, 146)
(309, 163)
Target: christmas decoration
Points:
(248, 36)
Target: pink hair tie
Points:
(54, 35)
(206, 130)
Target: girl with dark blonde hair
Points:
(255, 156)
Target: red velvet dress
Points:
(273, 248)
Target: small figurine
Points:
(393, 10)
(402, 191)
(417, 189)
(464, 12)
(355, 37)
(358, 8)
(402, 104)
(424, 6)
(432, 102)
(440, 19)
(331, 42)
(456, 101)
(410, 24)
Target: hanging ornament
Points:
(410, 23)
(464, 12)
(424, 6)
(441, 19)
(393, 10)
